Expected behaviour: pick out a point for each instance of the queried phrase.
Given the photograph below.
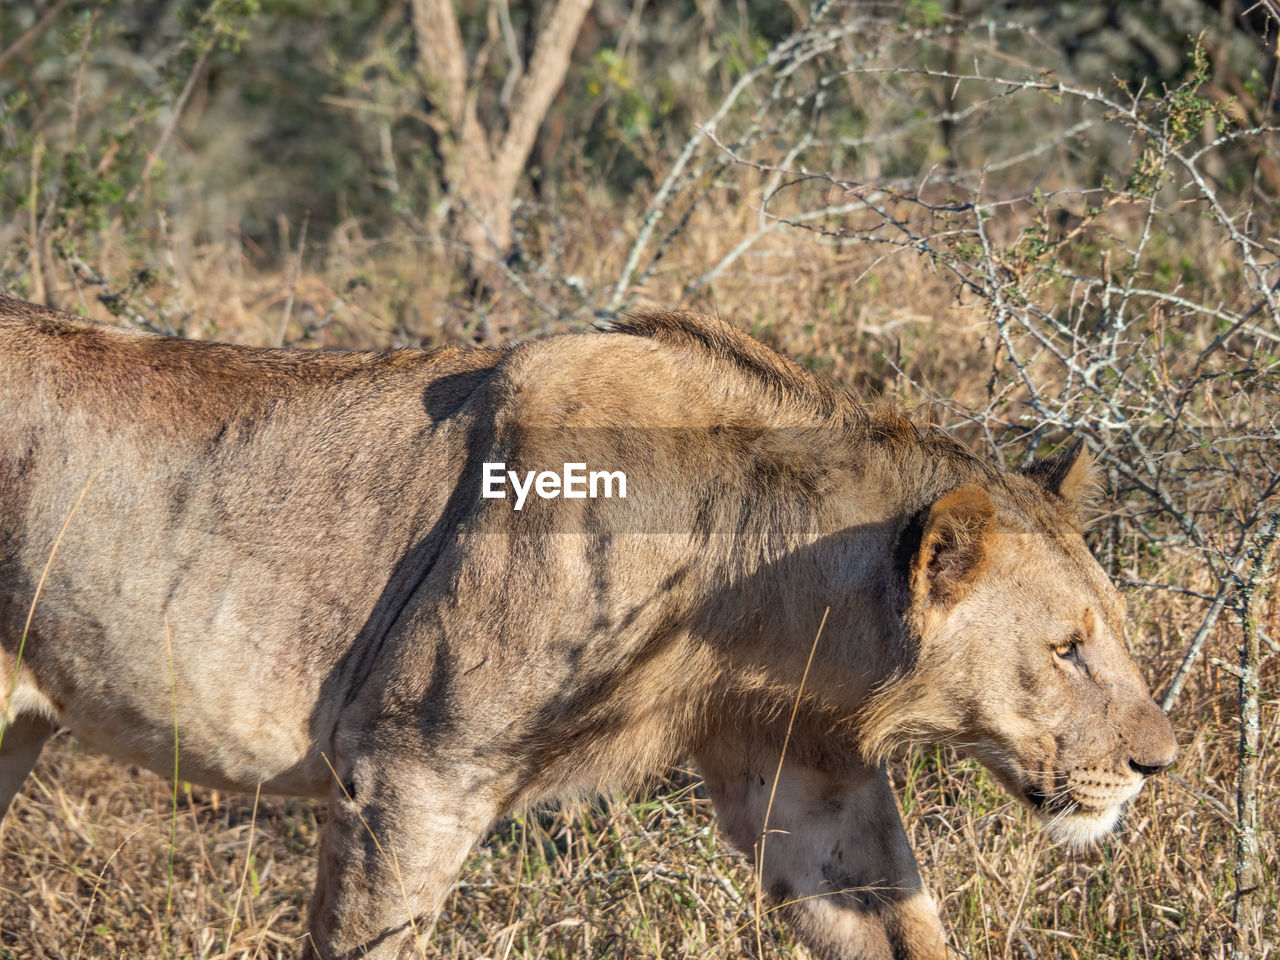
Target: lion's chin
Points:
(1082, 829)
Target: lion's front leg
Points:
(397, 835)
(21, 741)
(835, 857)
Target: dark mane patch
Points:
(737, 352)
(938, 460)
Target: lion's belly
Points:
(243, 701)
(233, 740)
(245, 637)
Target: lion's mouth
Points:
(1072, 793)
(1056, 801)
(1077, 806)
(1075, 816)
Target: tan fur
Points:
(297, 542)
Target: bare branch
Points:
(442, 59)
(539, 85)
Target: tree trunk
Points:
(482, 167)
(1249, 900)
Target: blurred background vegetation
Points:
(145, 141)
(1027, 220)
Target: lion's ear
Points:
(953, 545)
(1070, 474)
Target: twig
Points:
(293, 280)
(31, 33)
(777, 774)
(175, 114)
(779, 54)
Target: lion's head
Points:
(1020, 656)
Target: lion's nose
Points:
(1148, 769)
(1152, 761)
(1152, 746)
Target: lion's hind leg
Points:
(21, 740)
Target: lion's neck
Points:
(809, 580)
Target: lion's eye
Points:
(1066, 649)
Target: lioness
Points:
(300, 544)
